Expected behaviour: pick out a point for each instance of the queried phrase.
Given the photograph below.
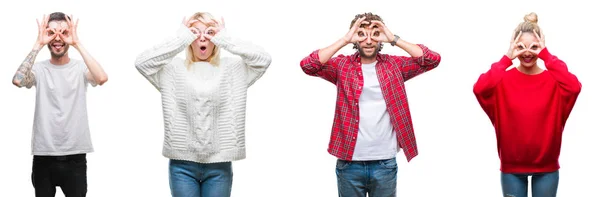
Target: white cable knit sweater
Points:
(204, 108)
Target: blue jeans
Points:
(542, 184)
(188, 179)
(359, 178)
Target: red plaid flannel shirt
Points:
(392, 71)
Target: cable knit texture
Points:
(204, 108)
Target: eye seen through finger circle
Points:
(376, 33)
(210, 32)
(361, 33)
(534, 47)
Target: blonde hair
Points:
(214, 58)
(529, 24)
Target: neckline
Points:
(68, 64)
(524, 75)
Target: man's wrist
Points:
(344, 41)
(77, 45)
(396, 38)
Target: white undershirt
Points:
(376, 138)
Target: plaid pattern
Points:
(346, 73)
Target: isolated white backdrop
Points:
(289, 114)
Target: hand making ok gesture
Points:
(516, 48)
(69, 35)
(45, 33)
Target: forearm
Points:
(152, 60)
(96, 71)
(254, 56)
(326, 53)
(320, 64)
(24, 76)
(412, 49)
(255, 59)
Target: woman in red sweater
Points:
(528, 107)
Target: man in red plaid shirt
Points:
(366, 141)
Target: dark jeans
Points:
(69, 172)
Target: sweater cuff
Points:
(220, 38)
(186, 35)
(506, 61)
(544, 54)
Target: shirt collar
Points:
(356, 57)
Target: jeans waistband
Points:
(59, 157)
(367, 161)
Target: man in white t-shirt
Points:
(61, 135)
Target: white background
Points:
(289, 114)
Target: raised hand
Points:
(45, 34)
(69, 36)
(356, 33)
(537, 47)
(516, 48)
(377, 35)
(188, 23)
(214, 27)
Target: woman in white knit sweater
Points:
(204, 102)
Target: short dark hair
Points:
(58, 16)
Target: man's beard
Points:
(364, 55)
(58, 55)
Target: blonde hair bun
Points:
(531, 17)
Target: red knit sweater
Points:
(528, 112)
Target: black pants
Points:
(69, 172)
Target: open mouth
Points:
(203, 49)
(528, 59)
(58, 45)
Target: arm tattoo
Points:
(24, 75)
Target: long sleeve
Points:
(484, 87)
(414, 66)
(486, 84)
(568, 82)
(152, 61)
(255, 58)
(313, 67)
(558, 69)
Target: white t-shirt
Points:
(60, 125)
(376, 138)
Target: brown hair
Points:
(529, 24)
(368, 17)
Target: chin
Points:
(54, 54)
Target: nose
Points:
(369, 40)
(57, 38)
(202, 38)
